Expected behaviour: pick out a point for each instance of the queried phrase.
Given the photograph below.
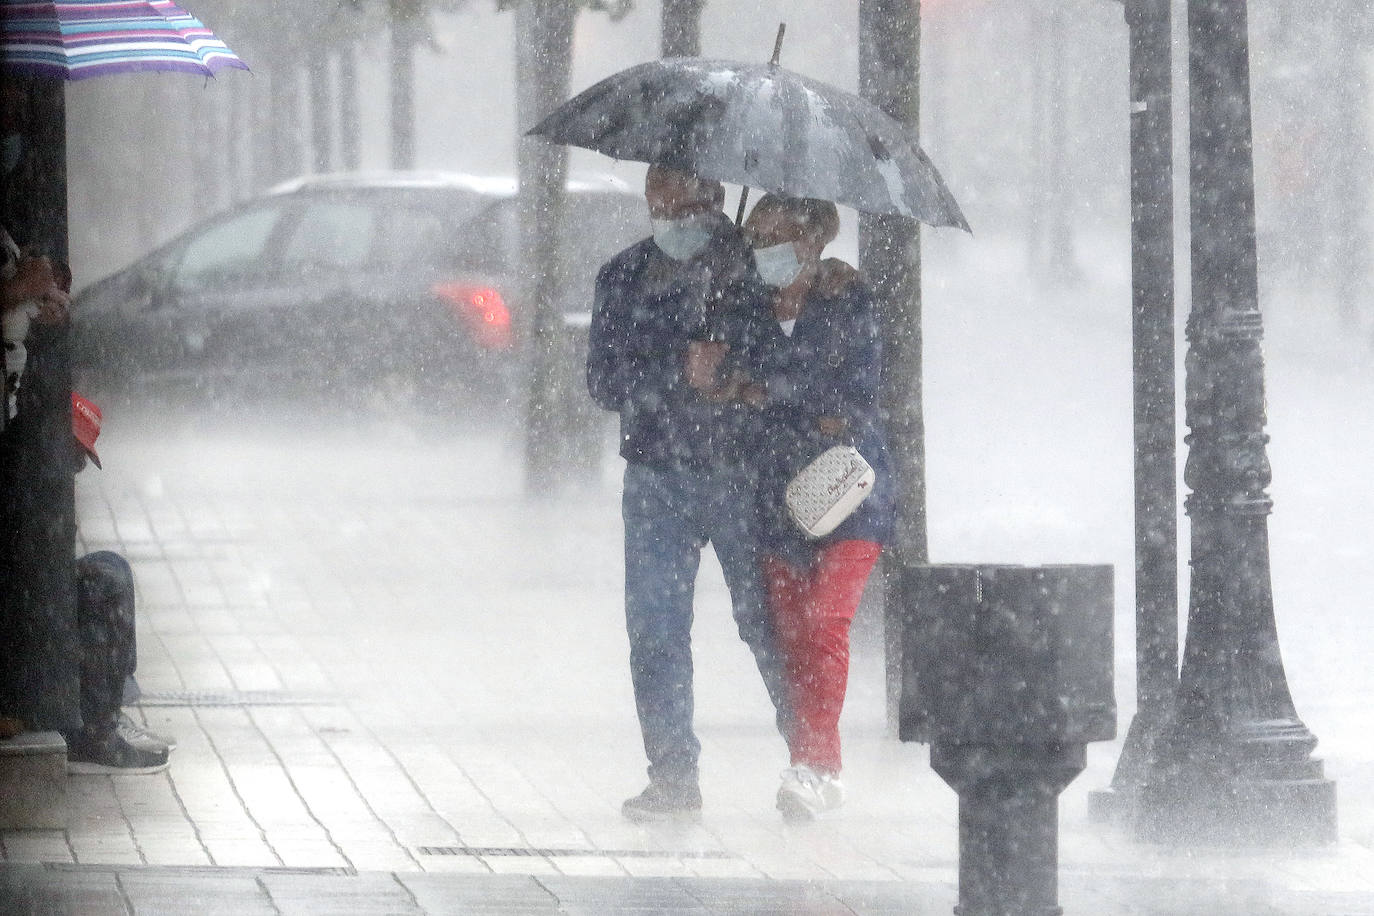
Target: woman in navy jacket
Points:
(805, 350)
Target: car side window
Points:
(598, 226)
(228, 251)
(413, 235)
(331, 234)
(490, 241)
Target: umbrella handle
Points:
(743, 198)
(777, 45)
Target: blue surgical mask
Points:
(685, 238)
(778, 265)
(11, 151)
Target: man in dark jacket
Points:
(685, 482)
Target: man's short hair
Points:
(702, 190)
(820, 217)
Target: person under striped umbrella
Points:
(78, 39)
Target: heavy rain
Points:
(428, 393)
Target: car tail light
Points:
(483, 309)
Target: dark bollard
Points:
(1007, 675)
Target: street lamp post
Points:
(1233, 765)
(1152, 347)
(890, 257)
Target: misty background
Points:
(1028, 338)
(1024, 110)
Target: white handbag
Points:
(829, 489)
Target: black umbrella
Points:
(760, 126)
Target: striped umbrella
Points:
(77, 39)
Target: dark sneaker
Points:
(663, 804)
(114, 755)
(140, 737)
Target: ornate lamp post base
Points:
(1233, 765)
(1203, 801)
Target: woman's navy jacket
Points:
(830, 366)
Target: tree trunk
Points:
(1350, 160)
(544, 31)
(321, 114)
(350, 121)
(40, 646)
(890, 256)
(681, 28)
(405, 27)
(1062, 264)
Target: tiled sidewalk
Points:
(396, 691)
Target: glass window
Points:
(599, 226)
(229, 250)
(331, 234)
(490, 240)
(411, 236)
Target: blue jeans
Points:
(670, 515)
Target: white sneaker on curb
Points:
(140, 737)
(806, 793)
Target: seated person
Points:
(109, 741)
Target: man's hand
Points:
(703, 363)
(53, 308)
(36, 281)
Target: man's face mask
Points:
(685, 238)
(11, 151)
(778, 265)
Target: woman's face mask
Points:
(778, 265)
(684, 238)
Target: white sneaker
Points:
(806, 793)
(140, 737)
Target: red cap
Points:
(86, 425)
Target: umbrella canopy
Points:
(76, 39)
(761, 126)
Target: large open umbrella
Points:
(77, 39)
(761, 126)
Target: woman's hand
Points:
(834, 277)
(703, 363)
(832, 426)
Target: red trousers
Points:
(812, 610)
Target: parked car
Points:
(357, 284)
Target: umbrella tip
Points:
(777, 45)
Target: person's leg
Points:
(821, 655)
(787, 588)
(732, 530)
(105, 611)
(663, 545)
(105, 615)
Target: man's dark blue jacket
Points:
(648, 308)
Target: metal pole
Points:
(1152, 347)
(890, 257)
(680, 28)
(1234, 764)
(544, 32)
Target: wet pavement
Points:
(399, 685)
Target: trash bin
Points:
(1007, 674)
